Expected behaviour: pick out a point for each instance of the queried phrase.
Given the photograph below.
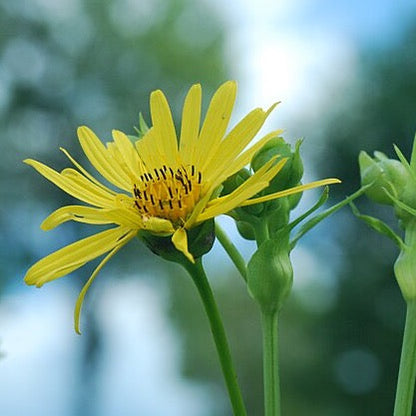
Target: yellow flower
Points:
(167, 185)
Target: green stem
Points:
(407, 371)
(271, 364)
(231, 250)
(217, 328)
(261, 232)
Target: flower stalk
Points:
(197, 272)
(407, 370)
(271, 364)
(231, 250)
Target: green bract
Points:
(270, 274)
(201, 239)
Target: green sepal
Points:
(404, 271)
(246, 230)
(413, 156)
(405, 163)
(321, 216)
(403, 212)
(322, 199)
(378, 225)
(143, 127)
(200, 241)
(270, 273)
(279, 215)
(234, 181)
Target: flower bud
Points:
(385, 174)
(234, 181)
(270, 274)
(246, 230)
(292, 171)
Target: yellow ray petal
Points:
(291, 191)
(80, 300)
(216, 121)
(100, 158)
(128, 153)
(250, 187)
(75, 255)
(180, 241)
(157, 225)
(191, 116)
(245, 157)
(121, 216)
(119, 162)
(80, 181)
(88, 215)
(164, 129)
(72, 184)
(85, 172)
(149, 152)
(239, 137)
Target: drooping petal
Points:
(74, 184)
(191, 116)
(164, 129)
(100, 158)
(180, 241)
(80, 300)
(216, 121)
(75, 255)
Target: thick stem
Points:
(231, 250)
(407, 371)
(271, 364)
(217, 328)
(261, 232)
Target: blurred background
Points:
(345, 72)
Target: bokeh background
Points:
(345, 72)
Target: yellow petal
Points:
(85, 172)
(235, 142)
(128, 153)
(149, 152)
(100, 158)
(158, 226)
(246, 190)
(80, 300)
(75, 255)
(164, 129)
(245, 157)
(88, 215)
(291, 191)
(216, 121)
(73, 183)
(191, 116)
(180, 241)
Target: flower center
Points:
(169, 194)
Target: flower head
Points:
(166, 185)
